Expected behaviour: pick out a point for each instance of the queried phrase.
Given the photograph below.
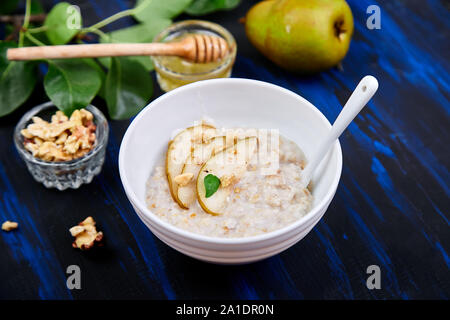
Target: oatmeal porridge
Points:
(219, 184)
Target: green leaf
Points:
(17, 81)
(128, 88)
(212, 183)
(71, 84)
(41, 36)
(142, 33)
(160, 9)
(36, 8)
(8, 6)
(93, 63)
(63, 23)
(201, 7)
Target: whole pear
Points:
(304, 36)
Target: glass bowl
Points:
(64, 174)
(173, 72)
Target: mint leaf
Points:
(17, 80)
(128, 88)
(201, 7)
(160, 9)
(212, 183)
(63, 22)
(71, 84)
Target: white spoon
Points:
(359, 98)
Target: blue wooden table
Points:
(391, 207)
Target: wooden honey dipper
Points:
(199, 48)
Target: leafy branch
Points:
(124, 83)
(95, 28)
(26, 22)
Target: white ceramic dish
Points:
(231, 103)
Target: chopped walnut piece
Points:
(38, 141)
(58, 128)
(227, 180)
(9, 225)
(26, 134)
(77, 118)
(51, 152)
(183, 179)
(33, 148)
(72, 144)
(59, 117)
(39, 121)
(80, 153)
(86, 235)
(62, 139)
(86, 115)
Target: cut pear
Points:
(228, 165)
(200, 154)
(180, 149)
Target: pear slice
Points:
(179, 150)
(228, 165)
(201, 153)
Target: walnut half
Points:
(9, 225)
(86, 235)
(183, 179)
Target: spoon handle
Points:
(359, 98)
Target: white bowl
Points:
(231, 103)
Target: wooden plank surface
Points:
(391, 207)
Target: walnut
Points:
(81, 138)
(80, 153)
(77, 118)
(9, 225)
(86, 115)
(59, 117)
(38, 141)
(32, 147)
(59, 128)
(26, 133)
(39, 121)
(227, 180)
(86, 235)
(39, 128)
(51, 152)
(183, 179)
(72, 144)
(62, 139)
